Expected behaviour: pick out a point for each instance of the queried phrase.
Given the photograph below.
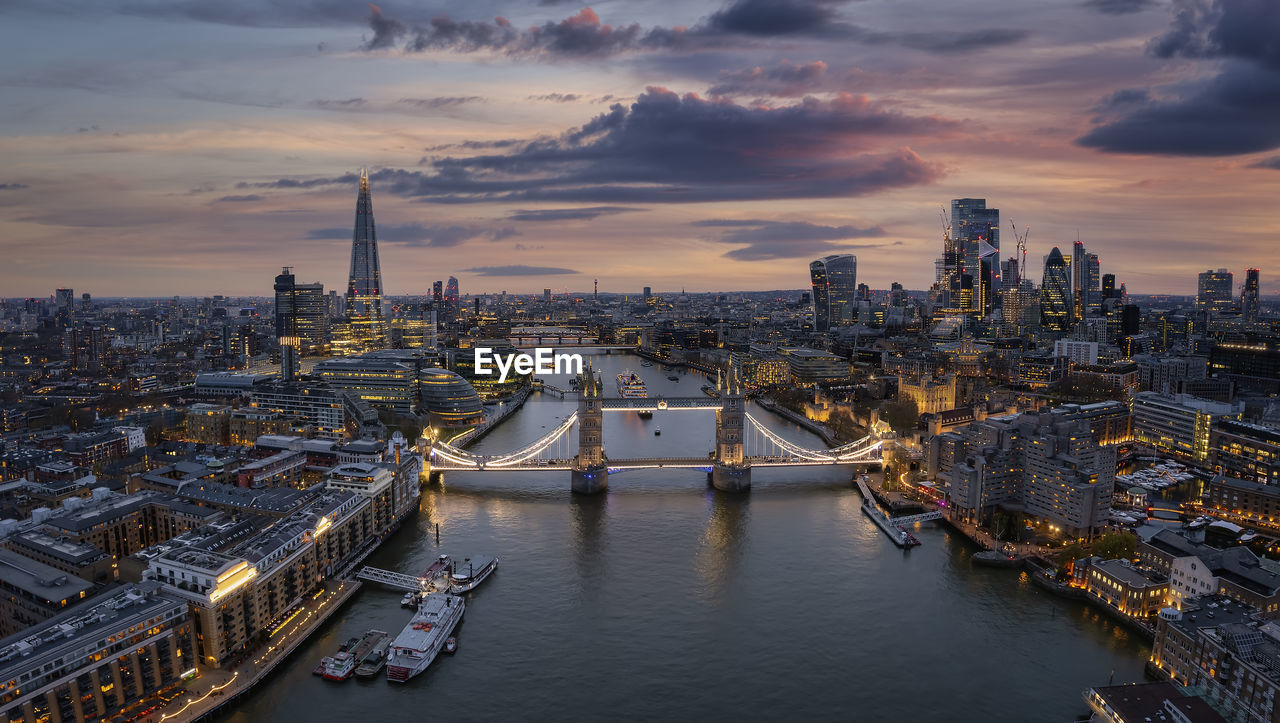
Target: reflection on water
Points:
(663, 599)
(721, 545)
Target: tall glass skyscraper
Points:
(976, 230)
(835, 290)
(367, 324)
(1055, 294)
(1249, 295)
(302, 313)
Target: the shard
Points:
(367, 324)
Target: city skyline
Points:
(160, 150)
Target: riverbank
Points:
(215, 689)
(828, 435)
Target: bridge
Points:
(397, 580)
(742, 442)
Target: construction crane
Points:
(1022, 247)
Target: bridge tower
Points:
(590, 474)
(731, 472)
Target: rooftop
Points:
(38, 579)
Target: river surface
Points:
(664, 599)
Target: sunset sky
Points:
(187, 147)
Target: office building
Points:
(1215, 291)
(1179, 425)
(1249, 296)
(810, 366)
(302, 314)
(1056, 312)
(835, 290)
(976, 230)
(1245, 451)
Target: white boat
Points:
(631, 386)
(471, 572)
(340, 666)
(420, 641)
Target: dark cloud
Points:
(1236, 111)
(12, 186)
(1242, 29)
(778, 17)
(1122, 98)
(762, 239)
(667, 148)
(584, 35)
(347, 104)
(786, 79)
(1272, 163)
(343, 180)
(420, 235)
(519, 270)
(239, 199)
(1119, 7)
(569, 214)
(443, 101)
(557, 97)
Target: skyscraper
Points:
(1092, 298)
(976, 230)
(1215, 292)
(1055, 294)
(835, 289)
(302, 313)
(1109, 286)
(1249, 295)
(367, 324)
(437, 294)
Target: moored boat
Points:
(343, 665)
(340, 666)
(377, 657)
(421, 640)
(470, 573)
(451, 646)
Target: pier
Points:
(891, 525)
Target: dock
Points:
(892, 526)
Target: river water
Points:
(665, 599)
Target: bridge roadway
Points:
(652, 404)
(548, 465)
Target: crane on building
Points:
(1022, 247)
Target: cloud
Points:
(1235, 111)
(443, 101)
(12, 186)
(583, 35)
(569, 214)
(557, 97)
(240, 199)
(1118, 7)
(786, 79)
(1272, 163)
(763, 239)
(1242, 29)
(778, 17)
(348, 104)
(420, 235)
(519, 270)
(668, 148)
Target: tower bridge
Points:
(742, 442)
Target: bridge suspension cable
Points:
(861, 448)
(508, 459)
